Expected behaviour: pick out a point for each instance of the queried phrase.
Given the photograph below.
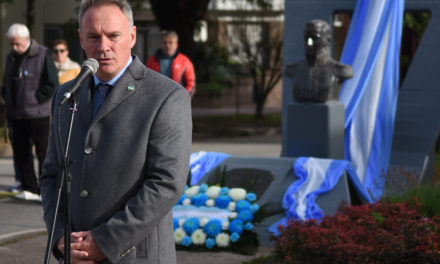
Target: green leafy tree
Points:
(213, 70)
(30, 15)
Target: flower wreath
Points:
(214, 217)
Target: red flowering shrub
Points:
(370, 233)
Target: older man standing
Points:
(130, 148)
(29, 83)
(169, 61)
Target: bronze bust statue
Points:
(318, 77)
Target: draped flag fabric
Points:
(202, 162)
(372, 49)
(316, 176)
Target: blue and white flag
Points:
(315, 177)
(370, 97)
(202, 162)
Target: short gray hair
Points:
(123, 5)
(18, 30)
(169, 33)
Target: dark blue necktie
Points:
(99, 96)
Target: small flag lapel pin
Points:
(130, 88)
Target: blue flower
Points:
(190, 225)
(251, 197)
(181, 199)
(254, 208)
(203, 188)
(222, 201)
(224, 190)
(186, 241)
(175, 223)
(248, 226)
(210, 243)
(236, 226)
(242, 205)
(199, 199)
(213, 227)
(234, 237)
(245, 216)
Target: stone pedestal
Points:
(315, 130)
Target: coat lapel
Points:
(85, 101)
(124, 87)
(116, 95)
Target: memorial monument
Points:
(316, 121)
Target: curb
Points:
(20, 235)
(6, 194)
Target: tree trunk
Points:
(30, 15)
(182, 17)
(260, 99)
(186, 39)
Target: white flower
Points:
(213, 192)
(210, 202)
(232, 215)
(203, 221)
(181, 221)
(198, 237)
(225, 225)
(237, 194)
(222, 240)
(179, 234)
(186, 201)
(191, 191)
(231, 206)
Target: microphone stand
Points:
(64, 184)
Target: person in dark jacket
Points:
(172, 63)
(29, 82)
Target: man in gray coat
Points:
(130, 155)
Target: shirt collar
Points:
(29, 44)
(163, 56)
(116, 78)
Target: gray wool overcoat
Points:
(129, 165)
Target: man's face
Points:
(315, 38)
(18, 44)
(60, 53)
(169, 45)
(105, 35)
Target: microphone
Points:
(89, 67)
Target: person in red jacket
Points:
(172, 63)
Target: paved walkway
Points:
(248, 109)
(22, 230)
